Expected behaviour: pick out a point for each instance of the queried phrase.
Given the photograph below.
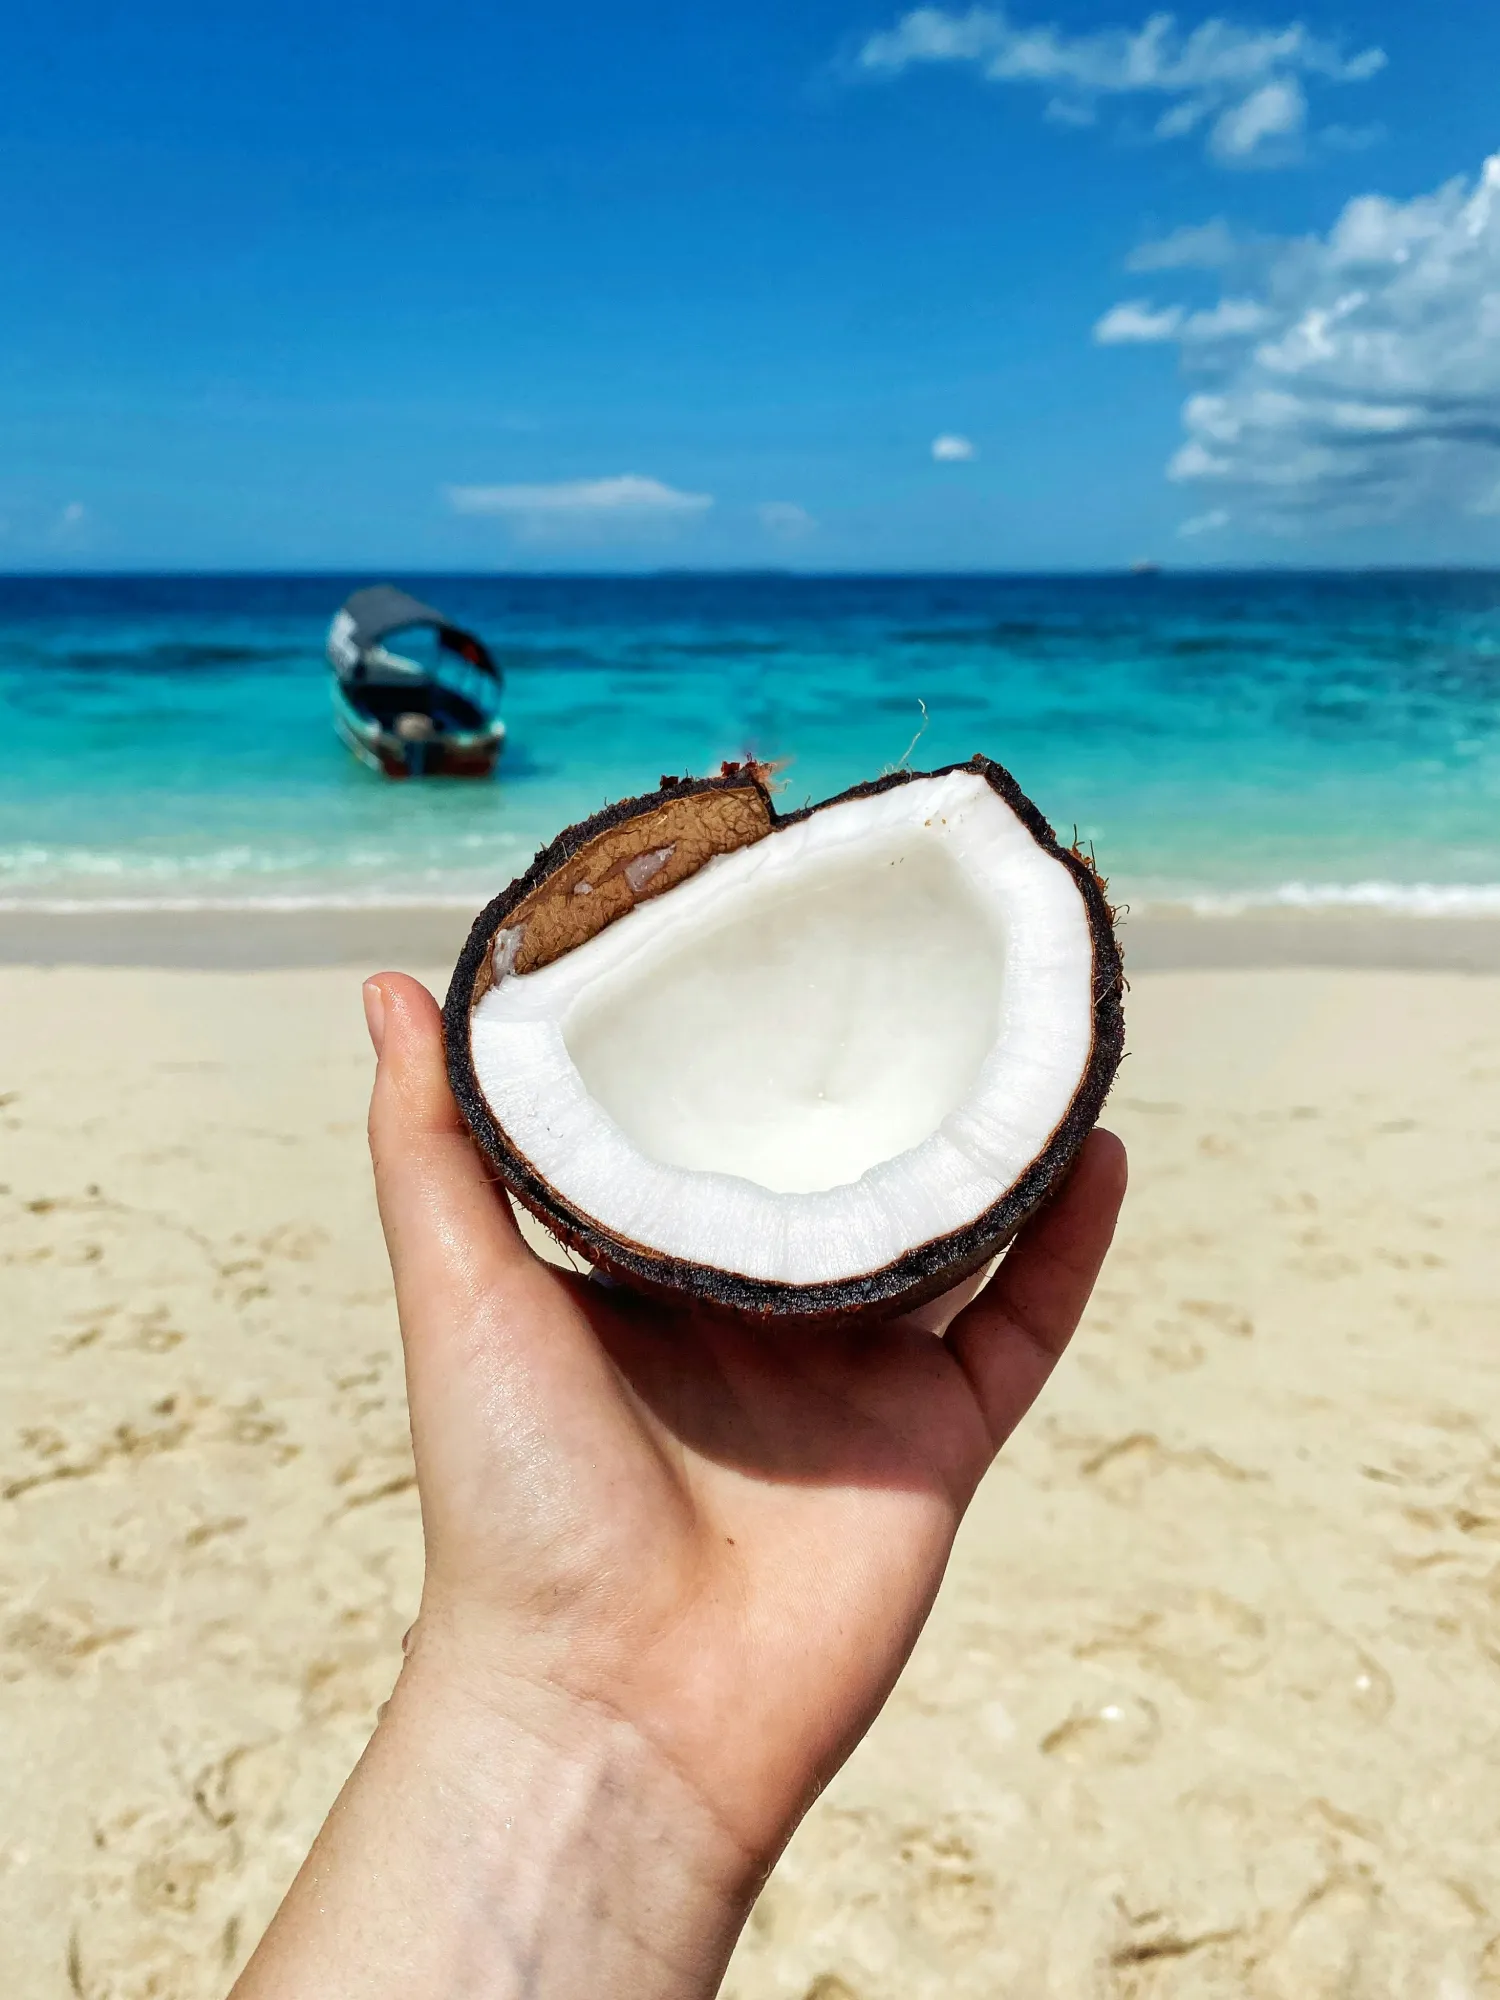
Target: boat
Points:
(414, 695)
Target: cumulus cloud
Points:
(1137, 321)
(1230, 319)
(625, 508)
(1242, 89)
(1205, 246)
(626, 494)
(950, 449)
(1276, 111)
(785, 520)
(1362, 382)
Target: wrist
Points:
(588, 1863)
(501, 1838)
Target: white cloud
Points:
(950, 449)
(1244, 86)
(1277, 110)
(1362, 382)
(73, 515)
(1206, 524)
(1230, 319)
(1206, 246)
(785, 520)
(1137, 322)
(627, 494)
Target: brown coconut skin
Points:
(926, 1270)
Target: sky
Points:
(819, 284)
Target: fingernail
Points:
(375, 1013)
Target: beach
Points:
(767, 546)
(1206, 1706)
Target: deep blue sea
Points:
(1223, 741)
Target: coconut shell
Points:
(597, 871)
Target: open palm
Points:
(726, 1537)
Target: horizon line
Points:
(679, 573)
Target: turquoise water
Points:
(1222, 741)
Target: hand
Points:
(711, 1547)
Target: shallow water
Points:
(1223, 741)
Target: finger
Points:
(413, 1067)
(484, 1322)
(1008, 1341)
(445, 1221)
(940, 1313)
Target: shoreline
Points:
(261, 940)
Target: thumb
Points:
(449, 1230)
(485, 1324)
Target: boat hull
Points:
(447, 754)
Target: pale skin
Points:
(673, 1570)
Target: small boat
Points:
(427, 710)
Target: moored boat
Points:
(423, 706)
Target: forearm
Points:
(493, 1850)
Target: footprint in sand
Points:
(1126, 1467)
(952, 1896)
(1202, 1640)
(1221, 1317)
(1319, 1956)
(1121, 1729)
(157, 1916)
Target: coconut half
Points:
(818, 1063)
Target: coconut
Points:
(813, 1064)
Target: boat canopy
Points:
(373, 614)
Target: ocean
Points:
(1224, 742)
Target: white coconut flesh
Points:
(818, 1052)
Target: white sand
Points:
(1210, 1701)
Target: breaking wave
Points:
(1477, 900)
(1401, 899)
(84, 906)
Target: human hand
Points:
(708, 1546)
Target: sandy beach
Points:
(1207, 1707)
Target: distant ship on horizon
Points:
(1144, 566)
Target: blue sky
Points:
(481, 286)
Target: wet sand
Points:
(1159, 940)
(1207, 1706)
